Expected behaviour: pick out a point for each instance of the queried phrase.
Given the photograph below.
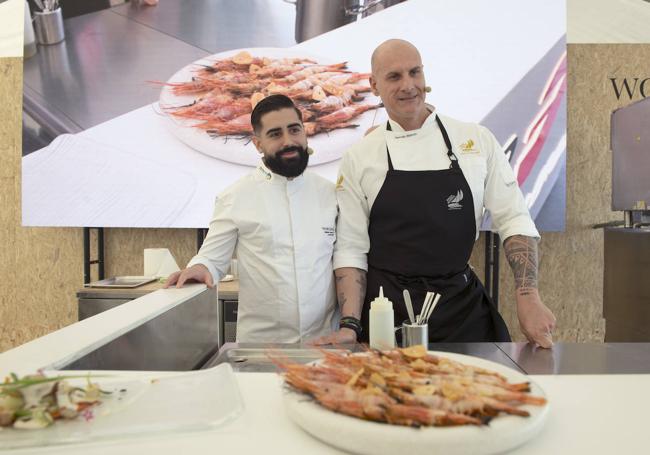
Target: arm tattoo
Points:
(362, 281)
(521, 252)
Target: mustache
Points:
(293, 148)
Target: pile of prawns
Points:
(227, 90)
(408, 387)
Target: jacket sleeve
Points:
(503, 198)
(219, 245)
(352, 242)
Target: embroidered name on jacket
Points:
(453, 201)
(329, 231)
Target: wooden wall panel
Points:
(42, 267)
(125, 248)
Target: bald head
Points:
(389, 50)
(398, 78)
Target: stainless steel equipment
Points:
(121, 282)
(229, 326)
(626, 298)
(315, 17)
(414, 334)
(49, 26)
(630, 144)
(180, 339)
(96, 300)
(254, 357)
(372, 7)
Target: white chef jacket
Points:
(480, 156)
(283, 232)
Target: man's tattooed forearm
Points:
(521, 252)
(362, 282)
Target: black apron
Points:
(422, 231)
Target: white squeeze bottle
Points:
(382, 322)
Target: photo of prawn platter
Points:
(207, 104)
(413, 401)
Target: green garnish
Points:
(18, 384)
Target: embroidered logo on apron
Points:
(453, 201)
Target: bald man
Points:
(411, 196)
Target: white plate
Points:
(327, 146)
(192, 401)
(365, 437)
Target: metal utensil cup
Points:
(48, 26)
(414, 334)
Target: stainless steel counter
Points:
(219, 25)
(581, 358)
(100, 70)
(564, 358)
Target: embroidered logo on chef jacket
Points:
(453, 201)
(339, 183)
(329, 231)
(468, 147)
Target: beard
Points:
(288, 167)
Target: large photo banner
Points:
(500, 63)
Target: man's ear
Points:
(256, 142)
(373, 85)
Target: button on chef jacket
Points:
(283, 232)
(480, 156)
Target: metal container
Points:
(414, 334)
(630, 144)
(378, 5)
(315, 17)
(48, 26)
(29, 43)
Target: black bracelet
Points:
(352, 323)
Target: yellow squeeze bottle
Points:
(382, 322)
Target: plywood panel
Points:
(40, 267)
(11, 77)
(125, 248)
(10, 108)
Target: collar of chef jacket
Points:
(265, 174)
(399, 139)
(429, 121)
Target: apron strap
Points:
(390, 162)
(452, 157)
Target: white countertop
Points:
(589, 415)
